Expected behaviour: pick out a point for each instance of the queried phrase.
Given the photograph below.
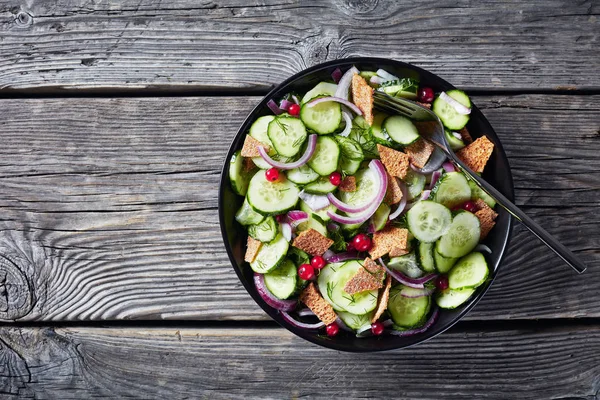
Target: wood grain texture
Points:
(188, 45)
(109, 208)
(270, 363)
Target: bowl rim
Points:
(325, 341)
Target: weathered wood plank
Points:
(270, 363)
(109, 208)
(186, 45)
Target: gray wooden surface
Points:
(108, 190)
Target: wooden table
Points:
(115, 121)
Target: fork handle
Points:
(567, 255)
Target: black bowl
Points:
(497, 173)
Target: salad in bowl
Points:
(355, 225)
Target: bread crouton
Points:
(419, 152)
(348, 184)
(248, 164)
(476, 155)
(250, 148)
(362, 96)
(312, 242)
(487, 217)
(387, 239)
(252, 248)
(383, 299)
(369, 277)
(398, 251)
(426, 105)
(465, 136)
(394, 193)
(317, 304)
(396, 162)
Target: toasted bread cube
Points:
(394, 193)
(487, 217)
(252, 248)
(419, 152)
(348, 184)
(476, 154)
(398, 251)
(369, 277)
(396, 162)
(250, 148)
(362, 96)
(248, 164)
(466, 136)
(383, 299)
(313, 300)
(312, 242)
(387, 239)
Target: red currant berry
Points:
(332, 329)
(335, 178)
(469, 206)
(442, 282)
(377, 328)
(425, 95)
(317, 262)
(272, 174)
(306, 272)
(294, 110)
(362, 242)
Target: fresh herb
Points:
(297, 256)
(362, 136)
(330, 287)
(339, 243)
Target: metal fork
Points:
(414, 111)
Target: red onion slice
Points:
(377, 80)
(285, 104)
(342, 257)
(315, 202)
(328, 254)
(270, 299)
(348, 120)
(425, 195)
(336, 75)
(286, 231)
(306, 312)
(342, 325)
(417, 283)
(288, 318)
(295, 98)
(428, 324)
(274, 107)
(449, 167)
(413, 293)
(402, 203)
(483, 248)
(434, 178)
(310, 149)
(345, 102)
(343, 88)
(386, 75)
(457, 135)
(379, 169)
(459, 108)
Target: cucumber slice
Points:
(462, 237)
(266, 231)
(350, 148)
(320, 186)
(443, 264)
(415, 183)
(324, 281)
(381, 216)
(452, 190)
(366, 187)
(349, 167)
(407, 264)
(314, 224)
(302, 175)
(321, 213)
(368, 74)
(407, 312)
(271, 197)
(237, 176)
(354, 321)
(454, 142)
(448, 115)
(450, 299)
(326, 156)
(322, 89)
(401, 130)
(259, 129)
(247, 216)
(287, 135)
(323, 118)
(478, 193)
(469, 272)
(379, 134)
(282, 281)
(426, 256)
(428, 220)
(404, 87)
(358, 303)
(270, 255)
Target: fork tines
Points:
(394, 105)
